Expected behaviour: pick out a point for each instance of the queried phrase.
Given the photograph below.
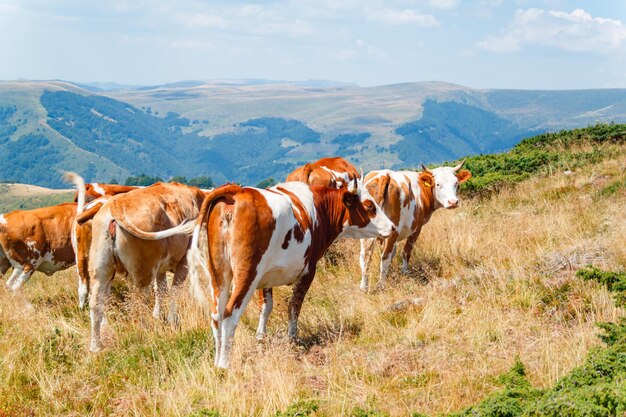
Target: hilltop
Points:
(249, 130)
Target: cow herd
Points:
(239, 240)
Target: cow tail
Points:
(197, 262)
(79, 183)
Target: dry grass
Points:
(490, 281)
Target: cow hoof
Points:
(364, 288)
(260, 336)
(95, 348)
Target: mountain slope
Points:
(246, 131)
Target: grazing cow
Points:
(260, 239)
(327, 172)
(408, 199)
(116, 245)
(36, 240)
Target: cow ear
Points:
(426, 179)
(463, 175)
(349, 198)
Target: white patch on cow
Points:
(99, 200)
(283, 267)
(341, 178)
(83, 293)
(48, 265)
(3, 220)
(97, 188)
(379, 226)
(446, 186)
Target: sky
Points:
(520, 44)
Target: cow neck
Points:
(427, 200)
(331, 216)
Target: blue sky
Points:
(549, 44)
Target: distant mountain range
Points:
(249, 130)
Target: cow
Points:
(40, 239)
(262, 238)
(96, 190)
(117, 245)
(327, 172)
(409, 199)
(36, 240)
(89, 199)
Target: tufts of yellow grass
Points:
(491, 281)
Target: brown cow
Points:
(327, 172)
(36, 240)
(116, 247)
(95, 194)
(408, 198)
(96, 190)
(259, 239)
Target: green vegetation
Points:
(597, 388)
(266, 183)
(542, 154)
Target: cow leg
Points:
(408, 248)
(295, 303)
(101, 271)
(180, 274)
(367, 249)
(237, 303)
(23, 277)
(14, 274)
(389, 250)
(160, 292)
(4, 263)
(219, 294)
(267, 304)
(82, 265)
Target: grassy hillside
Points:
(492, 291)
(24, 197)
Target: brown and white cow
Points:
(94, 194)
(327, 172)
(36, 240)
(116, 245)
(409, 199)
(259, 239)
(94, 190)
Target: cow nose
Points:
(453, 203)
(393, 228)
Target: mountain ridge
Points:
(199, 128)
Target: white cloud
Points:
(577, 31)
(192, 44)
(205, 21)
(403, 17)
(444, 4)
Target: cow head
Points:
(444, 182)
(364, 218)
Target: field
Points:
(24, 197)
(492, 284)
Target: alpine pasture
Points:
(492, 291)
